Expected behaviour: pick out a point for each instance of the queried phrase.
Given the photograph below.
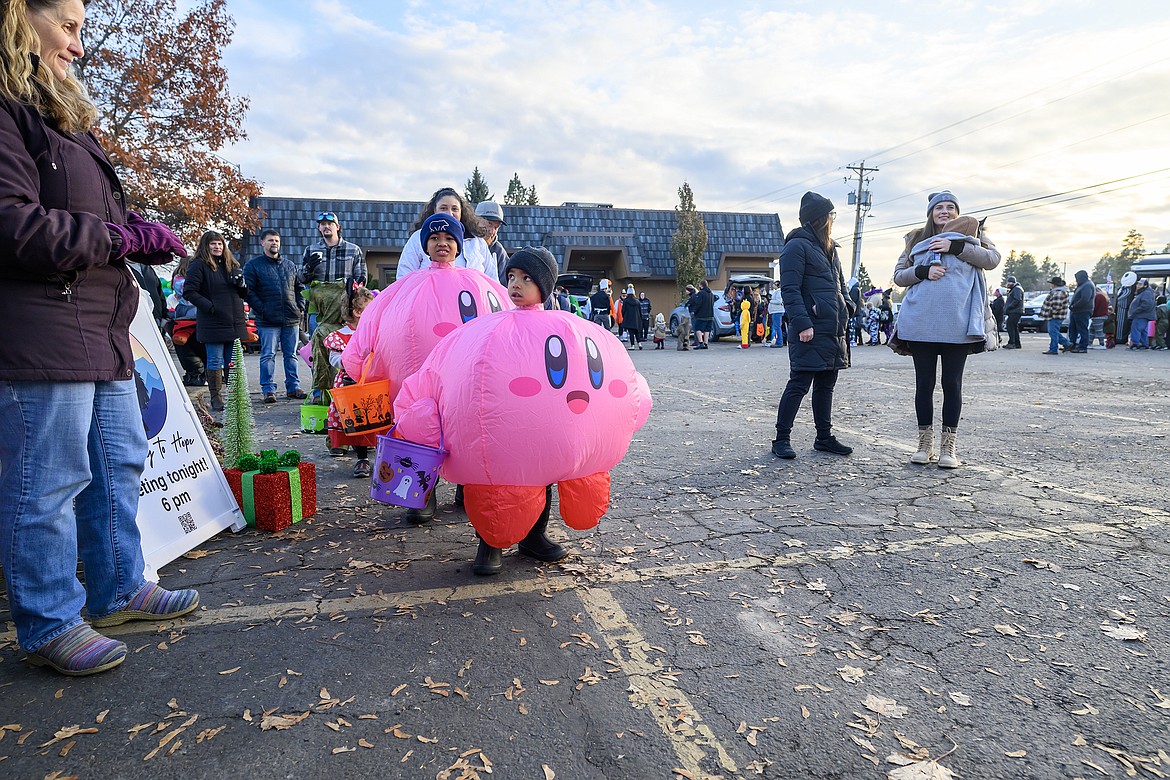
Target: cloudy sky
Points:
(1051, 116)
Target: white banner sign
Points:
(184, 498)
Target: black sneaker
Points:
(781, 448)
(832, 445)
(362, 469)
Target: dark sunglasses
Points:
(326, 216)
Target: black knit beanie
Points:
(537, 262)
(814, 208)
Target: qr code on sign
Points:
(187, 522)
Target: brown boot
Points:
(215, 388)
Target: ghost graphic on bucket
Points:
(526, 398)
(403, 486)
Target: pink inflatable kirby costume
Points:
(406, 321)
(527, 398)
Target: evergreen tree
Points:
(1023, 266)
(517, 194)
(864, 283)
(532, 199)
(688, 242)
(477, 190)
(1049, 269)
(239, 434)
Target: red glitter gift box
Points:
(267, 499)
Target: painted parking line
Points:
(275, 611)
(652, 687)
(688, 391)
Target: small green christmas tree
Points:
(239, 434)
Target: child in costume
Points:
(522, 399)
(873, 321)
(405, 322)
(335, 342)
(659, 331)
(745, 321)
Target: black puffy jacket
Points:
(219, 316)
(274, 291)
(815, 297)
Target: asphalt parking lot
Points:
(732, 616)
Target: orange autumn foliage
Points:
(166, 109)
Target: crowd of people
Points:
(74, 259)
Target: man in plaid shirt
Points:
(332, 259)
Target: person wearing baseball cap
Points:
(1013, 309)
(491, 217)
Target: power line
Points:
(1127, 56)
(1039, 200)
(983, 174)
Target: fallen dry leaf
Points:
(1016, 754)
(548, 773)
(851, 674)
(233, 670)
(962, 699)
(281, 722)
(921, 770)
(1124, 632)
(888, 707)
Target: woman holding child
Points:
(473, 252)
(944, 315)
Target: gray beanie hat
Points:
(941, 197)
(539, 263)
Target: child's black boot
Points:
(424, 515)
(488, 559)
(537, 544)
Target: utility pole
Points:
(864, 203)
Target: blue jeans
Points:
(778, 328)
(71, 460)
(1078, 329)
(218, 355)
(1139, 333)
(286, 336)
(1055, 340)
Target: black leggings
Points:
(799, 382)
(954, 358)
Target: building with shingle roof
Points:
(627, 246)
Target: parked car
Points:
(1030, 319)
(579, 287)
(724, 325)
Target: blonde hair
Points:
(33, 83)
(356, 301)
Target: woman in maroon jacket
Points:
(72, 445)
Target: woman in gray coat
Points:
(818, 308)
(942, 317)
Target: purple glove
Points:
(147, 242)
